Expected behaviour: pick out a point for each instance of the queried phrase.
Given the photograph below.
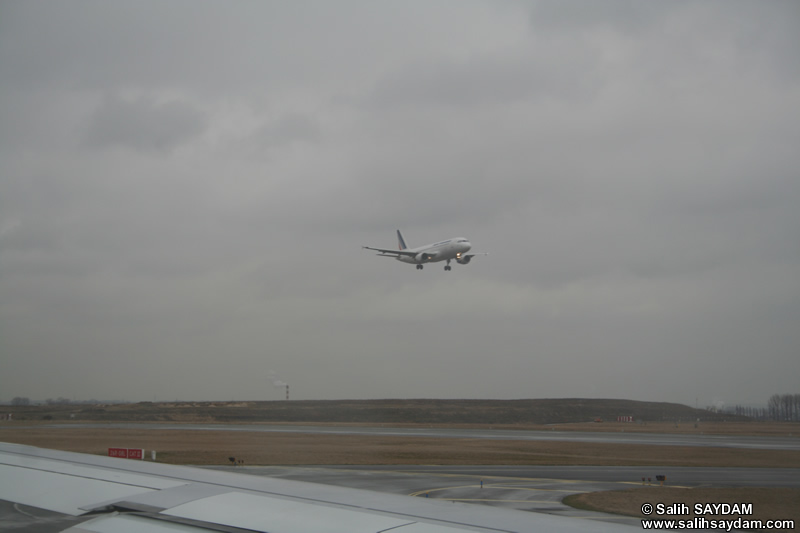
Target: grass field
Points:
(261, 448)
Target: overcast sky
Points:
(185, 188)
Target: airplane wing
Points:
(141, 496)
(395, 253)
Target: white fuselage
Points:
(440, 251)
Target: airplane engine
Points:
(421, 257)
(464, 260)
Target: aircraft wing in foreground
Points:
(136, 496)
(456, 248)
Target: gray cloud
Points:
(490, 80)
(177, 205)
(288, 129)
(144, 125)
(624, 16)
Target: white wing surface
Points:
(394, 253)
(136, 496)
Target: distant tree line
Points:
(784, 407)
(780, 407)
(760, 413)
(58, 401)
(22, 400)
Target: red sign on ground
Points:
(135, 453)
(126, 453)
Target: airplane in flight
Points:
(455, 248)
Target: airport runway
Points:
(528, 488)
(661, 439)
(25, 519)
(676, 475)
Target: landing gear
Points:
(419, 267)
(447, 267)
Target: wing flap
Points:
(122, 523)
(260, 513)
(68, 494)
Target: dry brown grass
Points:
(214, 447)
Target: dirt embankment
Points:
(456, 412)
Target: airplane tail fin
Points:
(401, 243)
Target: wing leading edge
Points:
(143, 496)
(395, 253)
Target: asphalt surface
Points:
(676, 475)
(24, 519)
(661, 439)
(527, 488)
